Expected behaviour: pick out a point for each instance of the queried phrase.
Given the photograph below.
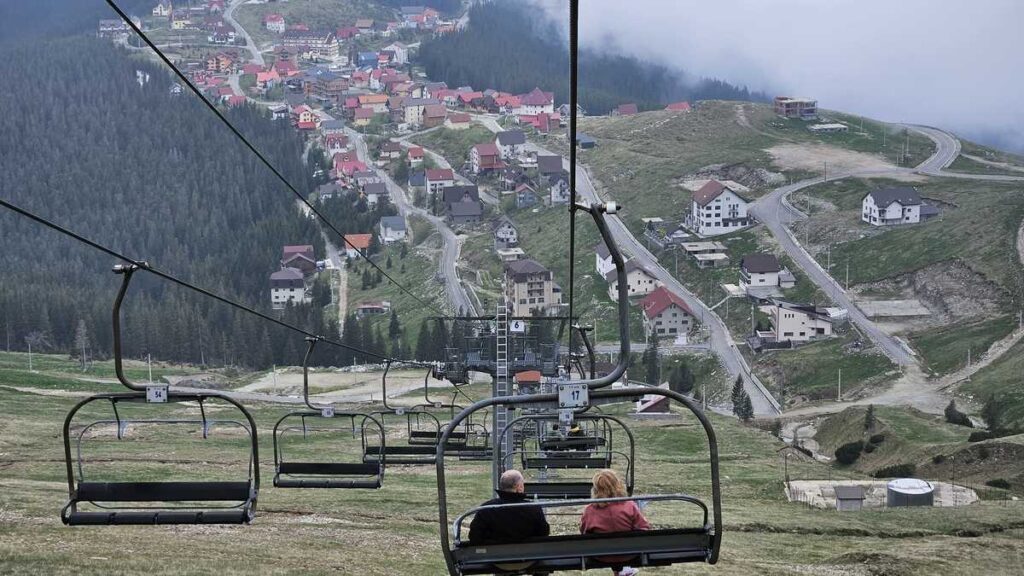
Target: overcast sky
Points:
(956, 64)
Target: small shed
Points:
(849, 498)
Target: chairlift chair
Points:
(367, 473)
(145, 502)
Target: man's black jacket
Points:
(504, 525)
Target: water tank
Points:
(910, 492)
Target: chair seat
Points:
(162, 491)
(166, 517)
(583, 551)
(568, 462)
(558, 490)
(288, 482)
(329, 468)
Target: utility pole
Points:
(839, 393)
(273, 375)
(828, 266)
(847, 274)
(968, 363)
(825, 178)
(29, 342)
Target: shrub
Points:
(980, 435)
(938, 459)
(869, 448)
(877, 439)
(998, 483)
(850, 452)
(983, 452)
(896, 470)
(954, 416)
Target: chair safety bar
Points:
(369, 473)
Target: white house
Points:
(717, 209)
(639, 282)
(559, 188)
(764, 271)
(603, 262)
(163, 8)
(287, 285)
(894, 206)
(401, 52)
(392, 229)
(375, 192)
(510, 143)
(665, 314)
(505, 234)
(536, 102)
(275, 23)
(797, 322)
(438, 179)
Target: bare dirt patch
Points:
(812, 158)
(748, 179)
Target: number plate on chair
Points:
(156, 393)
(327, 412)
(573, 395)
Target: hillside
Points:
(152, 175)
(513, 47)
(314, 532)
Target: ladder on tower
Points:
(502, 384)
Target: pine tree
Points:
(747, 410)
(737, 392)
(388, 263)
(422, 351)
(394, 327)
(681, 379)
(81, 343)
(869, 418)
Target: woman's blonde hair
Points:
(607, 484)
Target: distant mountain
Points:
(506, 47)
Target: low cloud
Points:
(955, 64)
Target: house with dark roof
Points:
(558, 188)
(603, 262)
(717, 209)
(639, 282)
(299, 257)
(506, 235)
(665, 314)
(526, 196)
(548, 165)
(529, 287)
(417, 181)
(510, 143)
(375, 192)
(585, 141)
(287, 285)
(895, 205)
(764, 271)
(465, 212)
(392, 229)
(796, 322)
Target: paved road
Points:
(451, 244)
(250, 44)
(720, 340)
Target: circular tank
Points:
(909, 492)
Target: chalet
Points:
(299, 257)
(414, 110)
(625, 110)
(512, 176)
(346, 32)
(432, 89)
(392, 229)
(274, 23)
(417, 181)
(364, 25)
(304, 115)
(336, 144)
(471, 99)
(894, 206)
(549, 165)
(510, 143)
(438, 179)
(434, 115)
(665, 314)
(363, 116)
(465, 212)
(717, 209)
(267, 80)
(485, 158)
(764, 271)
(529, 288)
(459, 193)
(375, 192)
(390, 150)
(376, 102)
(400, 53)
(373, 308)
(330, 190)
(415, 156)
(526, 196)
(505, 234)
(356, 244)
(346, 164)
(279, 112)
(796, 322)
(639, 282)
(326, 86)
(235, 100)
(543, 123)
(535, 102)
(558, 188)
(603, 262)
(163, 8)
(287, 285)
(799, 108)
(679, 107)
(332, 128)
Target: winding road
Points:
(250, 44)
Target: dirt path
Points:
(994, 164)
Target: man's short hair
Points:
(509, 480)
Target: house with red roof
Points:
(267, 80)
(437, 179)
(535, 102)
(471, 99)
(363, 116)
(666, 314)
(304, 115)
(235, 100)
(717, 208)
(679, 106)
(626, 110)
(275, 23)
(485, 158)
(415, 156)
(356, 244)
(252, 69)
(346, 32)
(336, 144)
(458, 121)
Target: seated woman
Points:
(601, 517)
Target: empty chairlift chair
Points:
(592, 449)
(338, 471)
(142, 502)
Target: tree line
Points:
(508, 48)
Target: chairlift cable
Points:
(258, 154)
(143, 265)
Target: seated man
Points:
(505, 525)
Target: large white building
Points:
(797, 322)
(287, 285)
(894, 206)
(639, 282)
(665, 314)
(717, 209)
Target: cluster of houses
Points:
(290, 285)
